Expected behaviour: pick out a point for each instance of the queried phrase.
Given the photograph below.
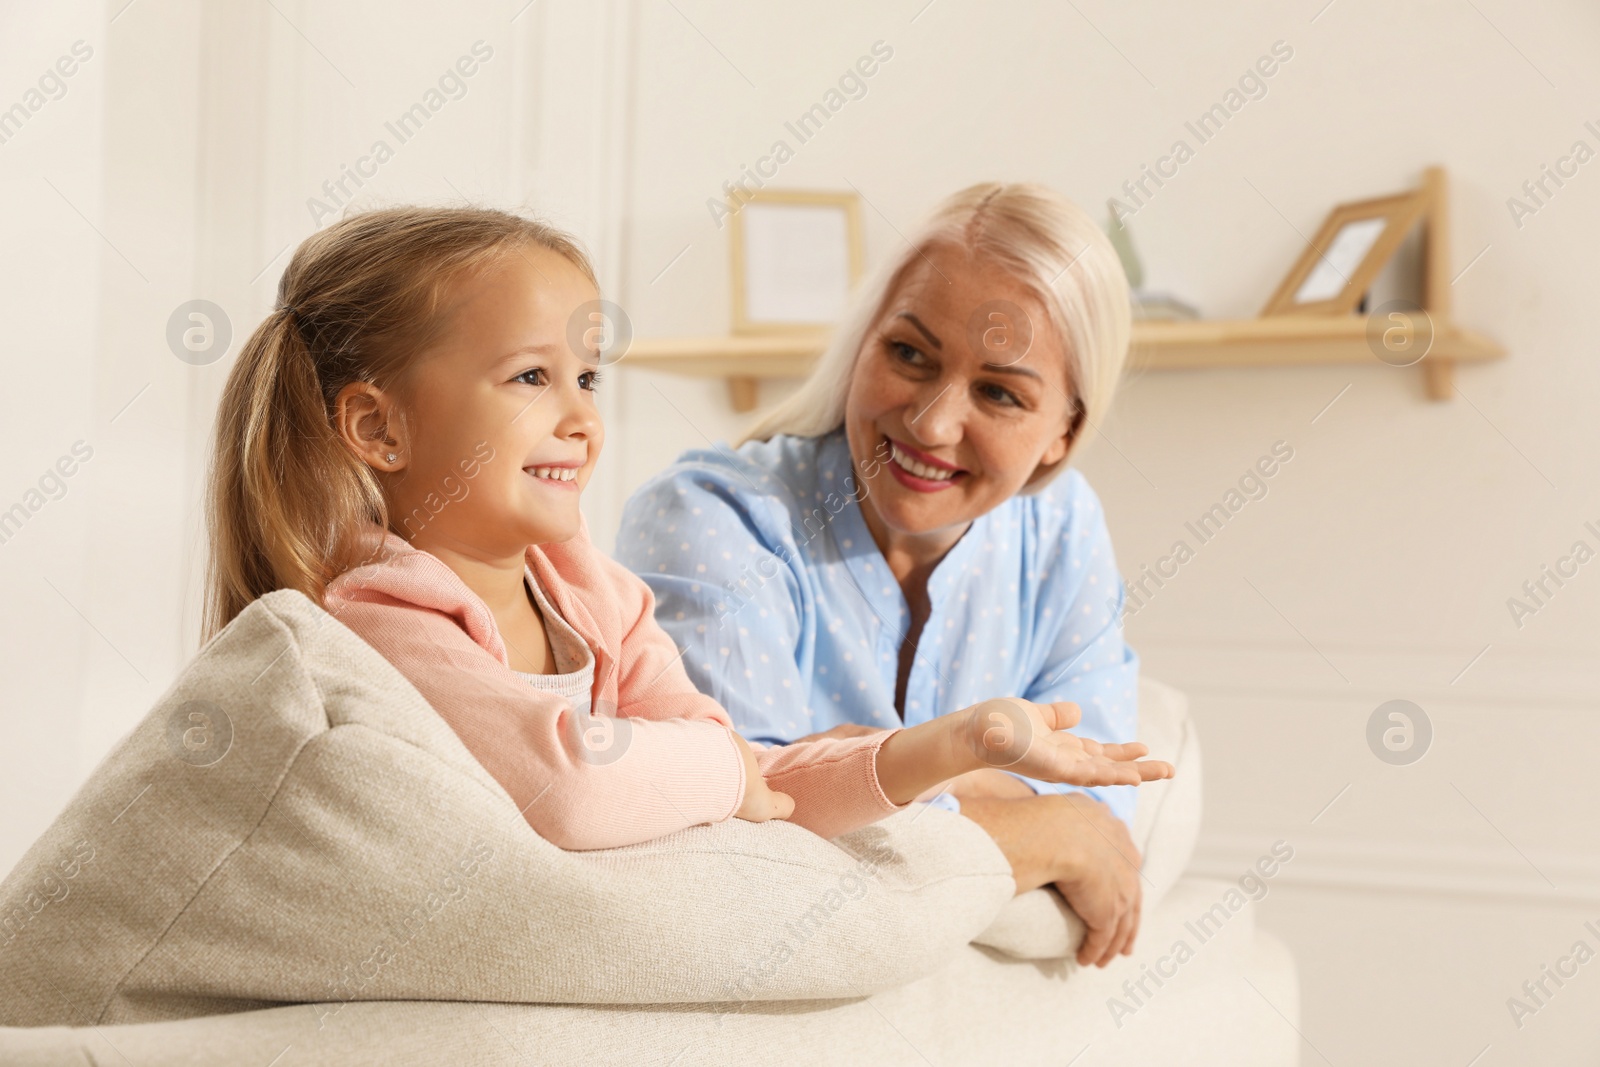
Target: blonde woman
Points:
(903, 538)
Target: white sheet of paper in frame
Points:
(796, 263)
(1345, 253)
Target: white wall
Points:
(184, 152)
(50, 181)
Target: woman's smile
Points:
(920, 471)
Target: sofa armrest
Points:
(346, 847)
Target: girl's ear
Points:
(368, 420)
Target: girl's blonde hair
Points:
(1039, 237)
(288, 505)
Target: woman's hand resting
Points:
(1100, 880)
(1075, 842)
(760, 803)
(1032, 740)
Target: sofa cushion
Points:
(1038, 924)
(293, 823)
(1218, 1005)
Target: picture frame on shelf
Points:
(1349, 250)
(796, 254)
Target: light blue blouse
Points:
(765, 573)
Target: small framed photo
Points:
(1348, 252)
(796, 255)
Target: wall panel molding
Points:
(1417, 867)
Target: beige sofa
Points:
(292, 860)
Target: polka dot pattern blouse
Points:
(765, 573)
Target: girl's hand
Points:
(760, 803)
(1031, 739)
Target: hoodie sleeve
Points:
(580, 782)
(834, 782)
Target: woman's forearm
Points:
(990, 783)
(1027, 830)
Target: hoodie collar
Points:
(401, 572)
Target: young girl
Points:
(404, 440)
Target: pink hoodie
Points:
(674, 765)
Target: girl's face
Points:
(963, 373)
(497, 405)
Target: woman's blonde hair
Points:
(288, 505)
(1039, 237)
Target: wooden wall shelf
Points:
(1270, 341)
(1287, 341)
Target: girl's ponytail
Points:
(288, 505)
(283, 486)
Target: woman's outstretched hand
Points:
(760, 802)
(1032, 740)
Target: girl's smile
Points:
(562, 476)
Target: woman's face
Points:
(949, 378)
